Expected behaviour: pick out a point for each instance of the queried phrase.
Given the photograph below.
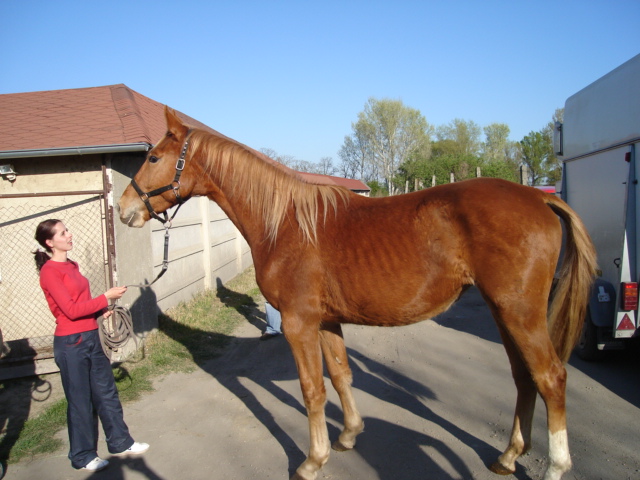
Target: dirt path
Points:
(437, 399)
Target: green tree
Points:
(496, 144)
(536, 152)
(420, 173)
(415, 170)
(538, 155)
(386, 134)
(377, 190)
(441, 148)
(464, 133)
(554, 164)
(507, 170)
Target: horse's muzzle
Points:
(132, 216)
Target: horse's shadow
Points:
(383, 445)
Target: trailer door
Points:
(597, 188)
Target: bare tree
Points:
(326, 167)
(356, 157)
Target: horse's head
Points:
(164, 180)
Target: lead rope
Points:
(165, 259)
(116, 330)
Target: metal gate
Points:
(25, 318)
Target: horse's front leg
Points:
(305, 345)
(335, 356)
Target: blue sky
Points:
(292, 76)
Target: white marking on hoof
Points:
(559, 458)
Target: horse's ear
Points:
(174, 124)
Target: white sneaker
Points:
(96, 465)
(136, 449)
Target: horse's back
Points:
(487, 209)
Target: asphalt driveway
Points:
(437, 399)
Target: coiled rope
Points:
(116, 330)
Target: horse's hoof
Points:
(306, 476)
(500, 469)
(338, 446)
(296, 476)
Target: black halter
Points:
(174, 185)
(166, 221)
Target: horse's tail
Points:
(569, 305)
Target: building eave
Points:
(86, 150)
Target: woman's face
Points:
(62, 240)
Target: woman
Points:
(87, 378)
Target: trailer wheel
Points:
(587, 347)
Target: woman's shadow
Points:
(118, 467)
(17, 396)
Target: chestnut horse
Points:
(325, 256)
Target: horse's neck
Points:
(236, 206)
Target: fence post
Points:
(206, 242)
(238, 246)
(524, 175)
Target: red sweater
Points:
(69, 297)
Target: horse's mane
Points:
(268, 187)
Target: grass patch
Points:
(38, 436)
(188, 335)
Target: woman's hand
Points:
(115, 293)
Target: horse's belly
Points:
(393, 308)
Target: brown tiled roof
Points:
(351, 184)
(97, 116)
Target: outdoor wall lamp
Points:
(8, 173)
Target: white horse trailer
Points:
(598, 142)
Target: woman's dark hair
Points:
(44, 231)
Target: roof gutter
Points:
(90, 150)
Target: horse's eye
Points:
(153, 159)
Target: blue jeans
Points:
(88, 383)
(273, 320)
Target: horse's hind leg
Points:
(529, 348)
(335, 355)
(520, 441)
